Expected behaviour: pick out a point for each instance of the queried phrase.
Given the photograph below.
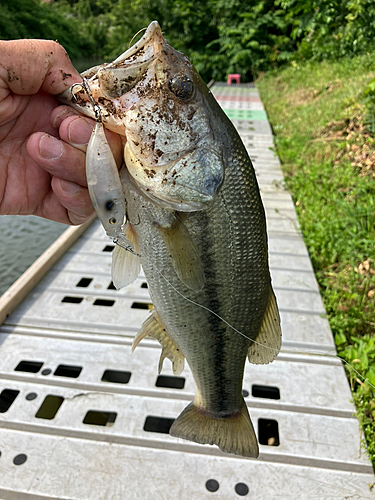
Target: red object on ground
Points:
(234, 78)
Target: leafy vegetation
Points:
(34, 19)
(318, 111)
(219, 36)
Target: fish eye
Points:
(181, 86)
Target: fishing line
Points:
(140, 31)
(326, 354)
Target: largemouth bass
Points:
(195, 221)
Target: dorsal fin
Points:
(269, 335)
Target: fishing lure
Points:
(108, 199)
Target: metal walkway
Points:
(82, 419)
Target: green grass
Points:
(317, 112)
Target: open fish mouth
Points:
(149, 95)
(110, 81)
(149, 45)
(124, 73)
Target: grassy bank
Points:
(321, 125)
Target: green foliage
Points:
(366, 416)
(93, 18)
(360, 353)
(188, 26)
(369, 101)
(252, 37)
(308, 105)
(331, 28)
(219, 36)
(34, 19)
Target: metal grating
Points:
(82, 419)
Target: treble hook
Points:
(86, 87)
(128, 248)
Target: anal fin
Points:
(269, 338)
(152, 327)
(184, 254)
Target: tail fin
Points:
(233, 434)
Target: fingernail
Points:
(69, 187)
(79, 131)
(50, 148)
(61, 115)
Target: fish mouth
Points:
(120, 76)
(125, 90)
(147, 47)
(110, 81)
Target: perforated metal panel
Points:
(82, 419)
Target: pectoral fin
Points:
(184, 254)
(125, 265)
(269, 336)
(153, 328)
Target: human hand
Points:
(42, 158)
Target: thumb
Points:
(28, 66)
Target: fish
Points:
(191, 214)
